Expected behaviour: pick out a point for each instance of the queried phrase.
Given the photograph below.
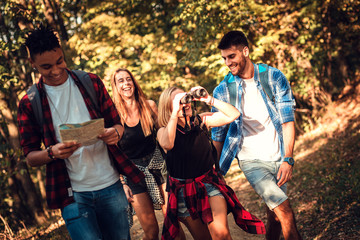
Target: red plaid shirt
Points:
(57, 179)
(197, 202)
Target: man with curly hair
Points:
(83, 181)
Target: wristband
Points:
(117, 134)
(211, 101)
(50, 152)
(173, 118)
(122, 180)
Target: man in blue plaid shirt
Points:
(263, 137)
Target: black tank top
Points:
(192, 154)
(134, 143)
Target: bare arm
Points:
(285, 171)
(219, 147)
(112, 136)
(166, 135)
(153, 106)
(154, 109)
(227, 113)
(289, 138)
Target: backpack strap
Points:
(264, 80)
(231, 85)
(87, 83)
(34, 96)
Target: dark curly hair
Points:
(40, 40)
(233, 38)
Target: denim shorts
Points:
(182, 209)
(262, 177)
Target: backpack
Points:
(264, 80)
(35, 101)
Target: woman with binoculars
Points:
(198, 194)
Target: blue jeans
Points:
(262, 177)
(98, 214)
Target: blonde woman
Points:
(198, 195)
(138, 116)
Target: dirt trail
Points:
(248, 198)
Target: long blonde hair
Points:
(147, 116)
(165, 106)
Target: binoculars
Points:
(189, 96)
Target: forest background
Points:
(174, 43)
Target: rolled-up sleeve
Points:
(30, 133)
(284, 98)
(219, 133)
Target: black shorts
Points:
(137, 188)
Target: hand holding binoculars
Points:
(190, 96)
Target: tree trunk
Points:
(49, 13)
(23, 22)
(60, 22)
(21, 185)
(41, 183)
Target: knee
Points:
(220, 233)
(284, 213)
(284, 209)
(151, 232)
(271, 216)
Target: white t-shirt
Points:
(260, 137)
(89, 167)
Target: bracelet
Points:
(211, 101)
(117, 134)
(123, 181)
(173, 118)
(50, 152)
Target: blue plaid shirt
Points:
(280, 112)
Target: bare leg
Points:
(273, 226)
(198, 229)
(219, 227)
(285, 215)
(165, 196)
(145, 212)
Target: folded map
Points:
(85, 133)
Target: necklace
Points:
(68, 106)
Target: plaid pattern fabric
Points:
(58, 186)
(281, 112)
(156, 163)
(197, 202)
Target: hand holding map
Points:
(85, 133)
